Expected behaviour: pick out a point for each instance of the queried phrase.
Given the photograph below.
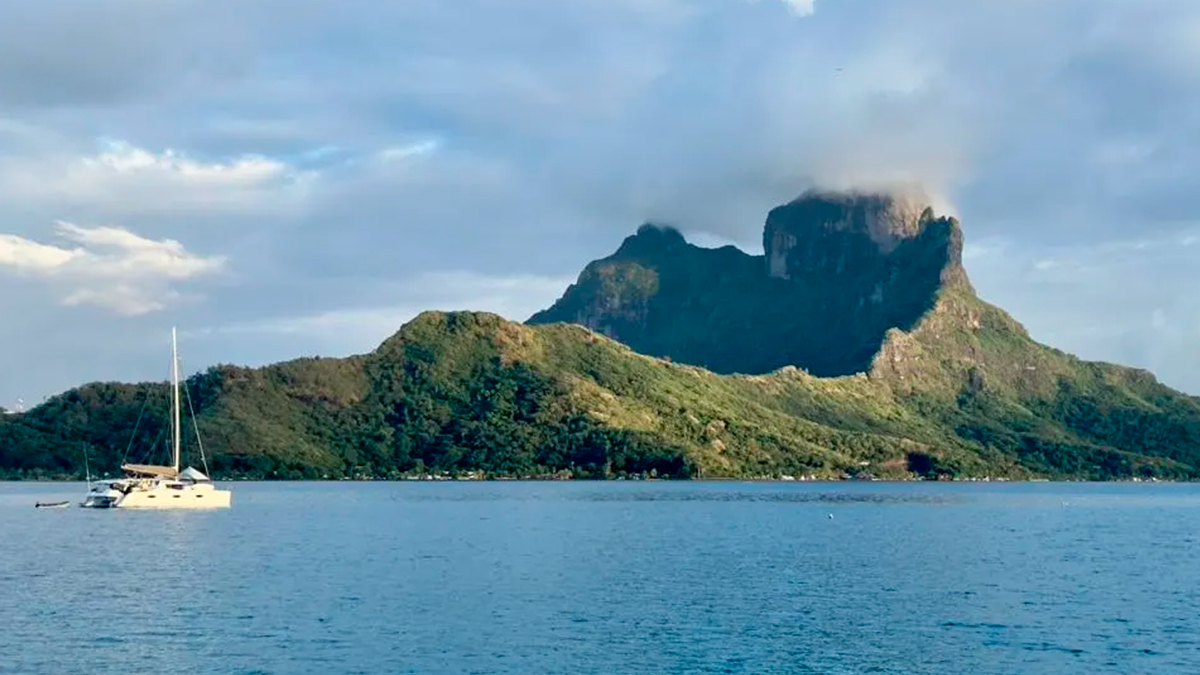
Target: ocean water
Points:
(609, 578)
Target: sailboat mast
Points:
(175, 440)
(87, 467)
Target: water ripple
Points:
(591, 579)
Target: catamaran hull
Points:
(100, 498)
(177, 499)
(160, 496)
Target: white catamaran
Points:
(149, 486)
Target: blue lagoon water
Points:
(609, 578)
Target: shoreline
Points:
(782, 481)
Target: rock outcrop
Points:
(824, 235)
(838, 271)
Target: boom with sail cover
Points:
(151, 470)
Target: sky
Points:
(291, 178)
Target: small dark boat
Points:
(52, 505)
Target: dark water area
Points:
(583, 578)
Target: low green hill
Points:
(461, 392)
(470, 391)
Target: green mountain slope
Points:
(970, 367)
(467, 391)
(928, 380)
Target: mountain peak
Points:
(825, 233)
(839, 270)
(885, 218)
(651, 239)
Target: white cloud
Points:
(122, 298)
(127, 179)
(107, 267)
(122, 158)
(31, 257)
(801, 7)
(798, 7)
(402, 152)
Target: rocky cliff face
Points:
(808, 222)
(839, 271)
(825, 235)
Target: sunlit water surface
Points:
(609, 578)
